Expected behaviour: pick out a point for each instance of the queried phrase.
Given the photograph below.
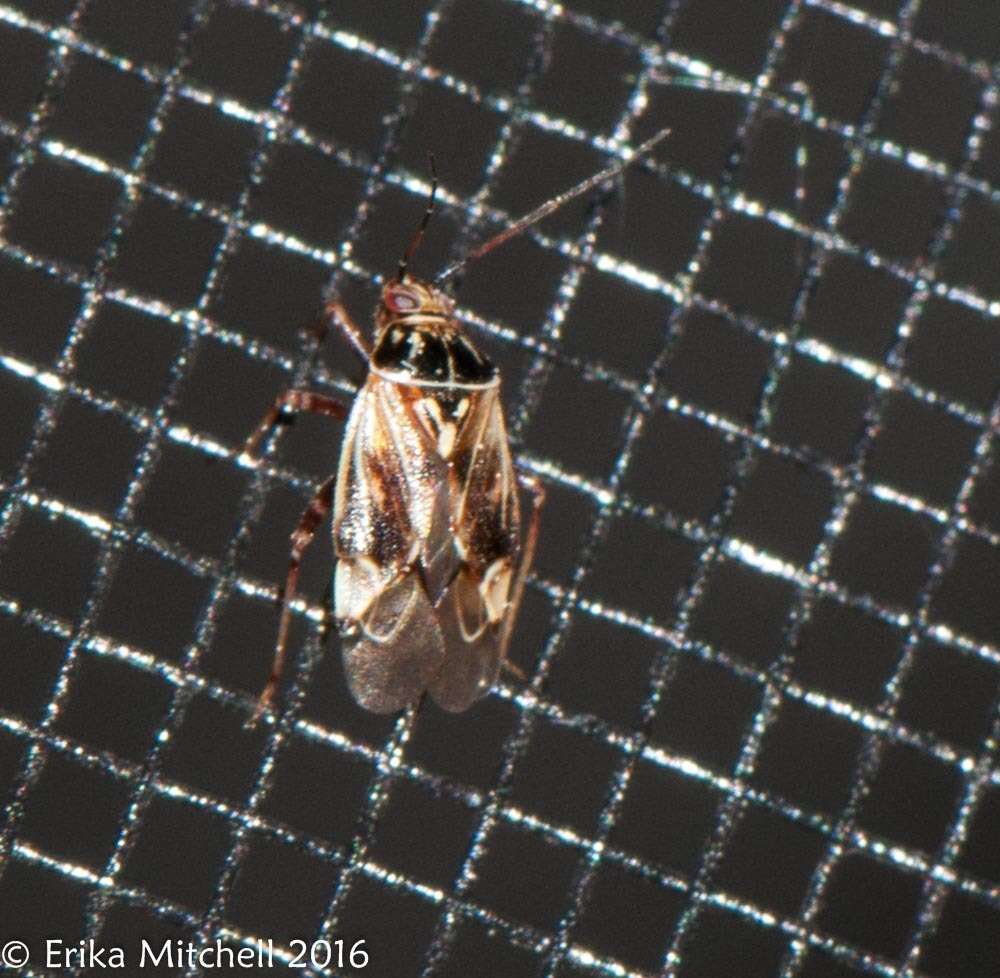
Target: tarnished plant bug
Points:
(431, 565)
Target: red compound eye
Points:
(400, 301)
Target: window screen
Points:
(757, 375)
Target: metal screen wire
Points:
(757, 376)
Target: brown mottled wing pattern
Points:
(485, 516)
(426, 550)
(389, 501)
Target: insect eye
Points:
(400, 301)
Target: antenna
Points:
(549, 206)
(418, 235)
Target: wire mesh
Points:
(760, 731)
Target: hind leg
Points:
(316, 512)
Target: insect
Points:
(430, 566)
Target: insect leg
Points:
(516, 671)
(316, 512)
(293, 401)
(335, 311)
(533, 485)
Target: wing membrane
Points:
(471, 659)
(397, 649)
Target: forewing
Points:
(471, 613)
(390, 498)
(486, 513)
(396, 650)
(370, 512)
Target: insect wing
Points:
(472, 611)
(389, 662)
(390, 490)
(391, 498)
(486, 514)
(472, 647)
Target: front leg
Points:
(293, 402)
(335, 311)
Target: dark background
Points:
(763, 632)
